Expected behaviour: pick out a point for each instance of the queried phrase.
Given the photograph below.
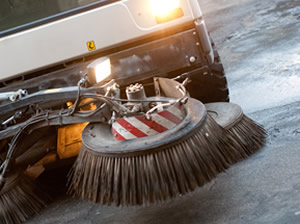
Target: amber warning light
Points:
(166, 10)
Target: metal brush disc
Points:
(150, 169)
(244, 135)
(98, 138)
(225, 114)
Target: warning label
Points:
(91, 45)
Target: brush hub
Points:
(98, 138)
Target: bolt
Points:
(197, 43)
(192, 59)
(13, 98)
(184, 100)
(148, 116)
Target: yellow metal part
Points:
(89, 106)
(69, 137)
(68, 143)
(37, 169)
(49, 158)
(69, 140)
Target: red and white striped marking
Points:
(138, 127)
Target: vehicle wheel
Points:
(211, 86)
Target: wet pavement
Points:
(259, 43)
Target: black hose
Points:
(5, 166)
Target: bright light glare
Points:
(164, 7)
(103, 70)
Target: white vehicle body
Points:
(65, 39)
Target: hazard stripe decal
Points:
(118, 129)
(152, 124)
(117, 135)
(171, 117)
(177, 111)
(141, 126)
(163, 121)
(138, 126)
(132, 129)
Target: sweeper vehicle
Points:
(124, 91)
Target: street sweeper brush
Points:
(245, 136)
(153, 168)
(20, 198)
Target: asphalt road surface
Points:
(259, 43)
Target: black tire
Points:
(211, 86)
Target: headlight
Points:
(166, 10)
(99, 70)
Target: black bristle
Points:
(153, 176)
(246, 137)
(21, 200)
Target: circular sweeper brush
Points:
(20, 199)
(142, 170)
(245, 136)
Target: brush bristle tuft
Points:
(156, 176)
(21, 201)
(246, 137)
